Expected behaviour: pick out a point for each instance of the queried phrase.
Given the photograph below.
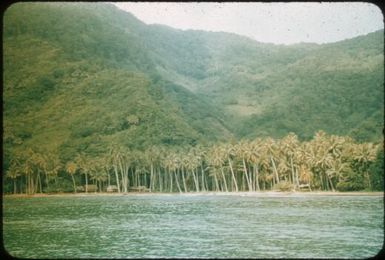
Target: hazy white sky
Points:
(266, 22)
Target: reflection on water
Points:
(193, 226)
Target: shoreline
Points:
(207, 193)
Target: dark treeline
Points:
(327, 162)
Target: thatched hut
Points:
(112, 188)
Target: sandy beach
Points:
(242, 194)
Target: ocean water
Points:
(191, 226)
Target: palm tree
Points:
(269, 147)
(171, 164)
(105, 163)
(255, 156)
(337, 169)
(41, 163)
(114, 157)
(305, 175)
(53, 165)
(83, 164)
(288, 146)
(184, 166)
(230, 153)
(13, 173)
(363, 155)
(71, 170)
(27, 170)
(200, 153)
(243, 152)
(96, 172)
(216, 159)
(126, 159)
(38, 162)
(191, 162)
(152, 155)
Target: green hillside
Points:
(270, 90)
(79, 77)
(75, 82)
(337, 87)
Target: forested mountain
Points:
(270, 90)
(80, 77)
(74, 81)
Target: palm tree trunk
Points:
(46, 179)
(256, 177)
(29, 184)
(184, 181)
(204, 187)
(326, 181)
(275, 169)
(369, 181)
(177, 182)
(195, 181)
(331, 183)
(14, 186)
(170, 181)
(224, 179)
(160, 181)
(297, 178)
(36, 184)
(41, 190)
(117, 178)
(138, 179)
(246, 174)
(86, 182)
(73, 181)
(251, 170)
(292, 170)
(216, 182)
(124, 174)
(232, 174)
(151, 176)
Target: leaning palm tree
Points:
(243, 153)
(171, 164)
(270, 147)
(41, 163)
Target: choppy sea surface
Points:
(190, 226)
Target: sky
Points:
(279, 23)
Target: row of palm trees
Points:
(325, 163)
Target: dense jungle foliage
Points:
(91, 92)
